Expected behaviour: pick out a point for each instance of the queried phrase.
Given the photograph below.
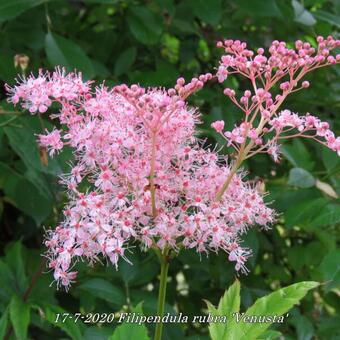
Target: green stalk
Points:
(162, 292)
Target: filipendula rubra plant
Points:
(140, 174)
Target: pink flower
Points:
(222, 74)
(52, 141)
(218, 126)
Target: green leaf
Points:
(228, 304)
(145, 25)
(22, 139)
(327, 239)
(304, 328)
(97, 333)
(3, 324)
(302, 16)
(24, 195)
(301, 178)
(208, 11)
(167, 5)
(65, 52)
(250, 240)
(130, 271)
(40, 181)
(104, 290)
(260, 8)
(328, 17)
(298, 155)
(15, 261)
(276, 303)
(330, 269)
(304, 211)
(270, 335)
(7, 69)
(7, 282)
(106, 2)
(68, 326)
(330, 159)
(131, 330)
(13, 8)
(125, 61)
(20, 316)
(328, 215)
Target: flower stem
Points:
(162, 292)
(231, 174)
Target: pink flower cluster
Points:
(147, 178)
(140, 173)
(37, 93)
(273, 76)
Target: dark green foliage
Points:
(154, 42)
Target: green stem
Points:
(231, 175)
(164, 260)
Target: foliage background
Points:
(152, 43)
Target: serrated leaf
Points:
(20, 317)
(276, 303)
(65, 52)
(301, 178)
(131, 330)
(104, 290)
(228, 304)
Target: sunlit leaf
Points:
(276, 303)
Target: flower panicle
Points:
(147, 177)
(273, 76)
